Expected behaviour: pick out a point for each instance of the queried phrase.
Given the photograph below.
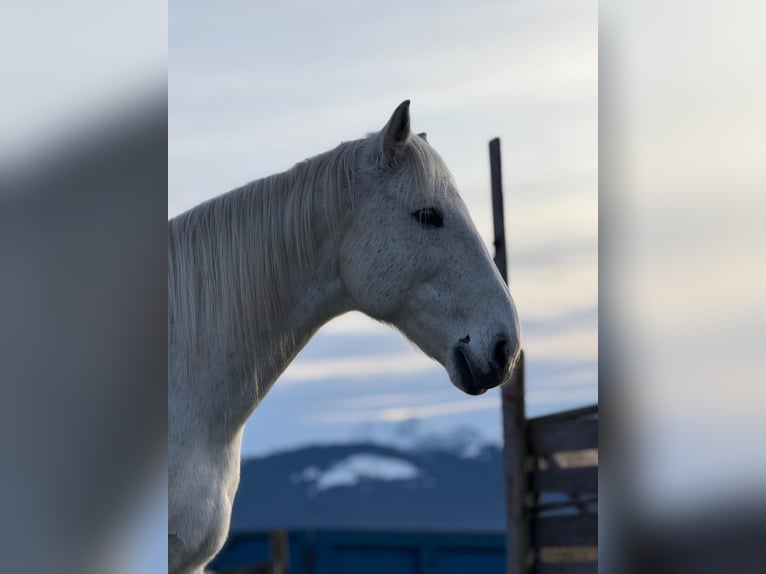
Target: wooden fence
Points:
(551, 462)
(552, 487)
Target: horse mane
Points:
(230, 258)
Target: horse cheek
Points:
(368, 277)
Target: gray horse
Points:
(375, 225)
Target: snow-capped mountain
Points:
(367, 485)
(418, 436)
(356, 468)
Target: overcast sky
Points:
(257, 87)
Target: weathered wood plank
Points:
(566, 568)
(581, 505)
(559, 436)
(565, 415)
(567, 554)
(565, 480)
(579, 530)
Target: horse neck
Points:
(234, 378)
(311, 291)
(316, 295)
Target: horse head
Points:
(411, 256)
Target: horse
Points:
(375, 225)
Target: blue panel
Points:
(242, 551)
(459, 562)
(345, 560)
(370, 552)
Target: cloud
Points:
(472, 72)
(584, 395)
(579, 344)
(358, 367)
(399, 414)
(355, 323)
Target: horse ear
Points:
(423, 136)
(397, 132)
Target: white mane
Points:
(230, 258)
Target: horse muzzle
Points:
(474, 378)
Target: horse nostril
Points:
(501, 354)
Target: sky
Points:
(257, 87)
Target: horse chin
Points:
(469, 387)
(462, 376)
(474, 391)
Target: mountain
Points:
(367, 485)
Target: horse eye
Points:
(429, 218)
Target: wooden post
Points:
(498, 215)
(514, 416)
(515, 455)
(279, 552)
